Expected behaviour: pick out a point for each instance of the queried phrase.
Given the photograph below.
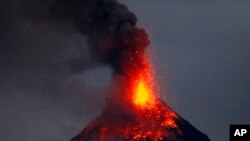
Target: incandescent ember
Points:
(159, 124)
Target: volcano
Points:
(165, 125)
(134, 112)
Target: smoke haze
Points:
(45, 92)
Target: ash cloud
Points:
(109, 27)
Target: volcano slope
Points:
(163, 125)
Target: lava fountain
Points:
(149, 116)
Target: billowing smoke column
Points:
(133, 113)
(109, 27)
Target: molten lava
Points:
(143, 96)
(151, 119)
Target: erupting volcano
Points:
(134, 113)
(145, 117)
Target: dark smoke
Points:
(109, 27)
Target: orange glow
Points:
(151, 119)
(150, 123)
(143, 96)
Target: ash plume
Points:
(109, 27)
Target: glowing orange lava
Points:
(143, 96)
(151, 119)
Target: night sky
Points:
(200, 50)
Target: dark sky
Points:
(200, 49)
